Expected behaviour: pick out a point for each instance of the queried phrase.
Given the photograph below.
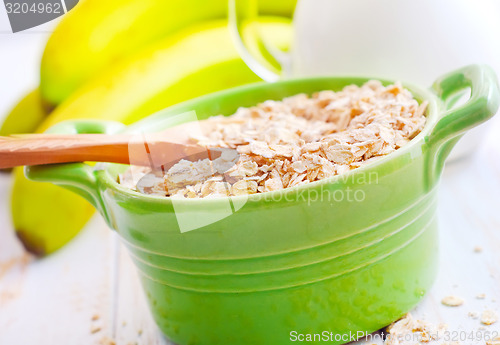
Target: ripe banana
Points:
(46, 217)
(97, 34)
(194, 62)
(26, 116)
(156, 77)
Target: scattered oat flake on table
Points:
(412, 331)
(481, 296)
(95, 317)
(107, 341)
(489, 317)
(478, 249)
(473, 315)
(95, 329)
(494, 341)
(452, 301)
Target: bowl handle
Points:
(455, 121)
(265, 61)
(76, 177)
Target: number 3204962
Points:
(41, 7)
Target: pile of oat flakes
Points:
(301, 139)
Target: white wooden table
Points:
(53, 301)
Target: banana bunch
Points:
(114, 29)
(123, 60)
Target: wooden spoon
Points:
(152, 150)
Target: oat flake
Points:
(452, 301)
(411, 331)
(297, 140)
(494, 341)
(489, 317)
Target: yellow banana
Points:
(150, 80)
(195, 62)
(46, 218)
(97, 34)
(26, 116)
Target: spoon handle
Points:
(39, 149)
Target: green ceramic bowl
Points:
(350, 253)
